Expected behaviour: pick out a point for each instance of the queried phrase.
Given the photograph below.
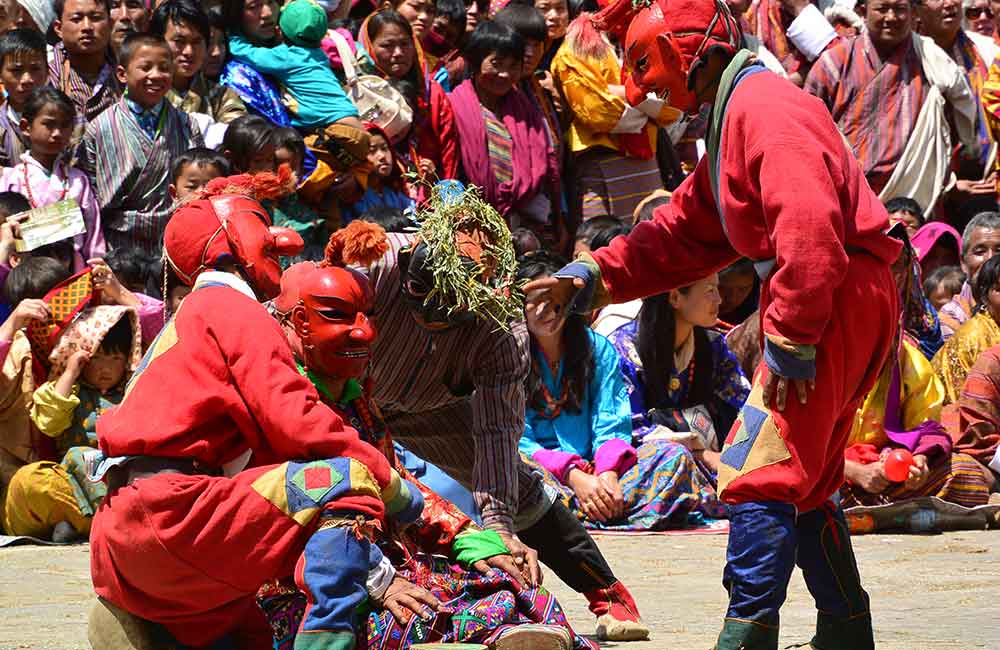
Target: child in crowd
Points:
(90, 365)
(943, 284)
(128, 149)
(443, 44)
(906, 211)
(23, 67)
(290, 211)
(193, 169)
(44, 175)
(302, 67)
(525, 241)
(218, 50)
(135, 270)
(385, 183)
(598, 232)
(391, 219)
(249, 145)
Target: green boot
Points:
(834, 633)
(738, 634)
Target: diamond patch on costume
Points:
(738, 448)
(316, 479)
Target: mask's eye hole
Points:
(642, 64)
(332, 314)
(416, 288)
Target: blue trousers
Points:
(767, 540)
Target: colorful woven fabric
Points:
(65, 301)
(475, 608)
(978, 430)
(664, 489)
(957, 479)
(953, 361)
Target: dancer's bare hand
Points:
(525, 561)
(776, 388)
(404, 599)
(551, 296)
(503, 562)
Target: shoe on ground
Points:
(535, 637)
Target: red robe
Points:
(191, 551)
(790, 191)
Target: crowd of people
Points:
(416, 164)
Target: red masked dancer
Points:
(791, 197)
(441, 566)
(224, 467)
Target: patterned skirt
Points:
(475, 608)
(960, 480)
(665, 489)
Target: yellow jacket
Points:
(51, 412)
(921, 398)
(595, 110)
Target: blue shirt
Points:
(604, 410)
(306, 74)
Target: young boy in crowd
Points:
(187, 30)
(302, 67)
(82, 63)
(943, 284)
(23, 68)
(193, 169)
(90, 365)
(385, 184)
(443, 44)
(128, 149)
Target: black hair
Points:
(119, 337)
(650, 206)
(60, 5)
(578, 351)
(409, 91)
(599, 231)
(286, 137)
(43, 96)
(742, 266)
(246, 136)
(391, 219)
(525, 20)
(61, 251)
(525, 241)
(134, 268)
(34, 277)
(657, 325)
(952, 277)
(216, 19)
(135, 42)
(454, 11)
(21, 41)
(199, 156)
(13, 203)
(383, 19)
(905, 204)
(177, 12)
(986, 280)
(490, 37)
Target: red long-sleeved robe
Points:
(191, 551)
(790, 191)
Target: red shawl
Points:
(532, 156)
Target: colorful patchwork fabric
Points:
(300, 490)
(65, 301)
(475, 608)
(753, 442)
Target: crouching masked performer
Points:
(225, 469)
(444, 584)
(795, 201)
(451, 389)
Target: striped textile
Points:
(500, 146)
(966, 55)
(860, 89)
(13, 142)
(90, 99)
(978, 430)
(609, 183)
(957, 479)
(455, 398)
(134, 173)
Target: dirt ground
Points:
(929, 592)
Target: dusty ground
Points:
(936, 592)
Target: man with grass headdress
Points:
(449, 367)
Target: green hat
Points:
(303, 22)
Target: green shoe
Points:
(854, 633)
(738, 634)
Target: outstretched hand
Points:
(521, 565)
(551, 297)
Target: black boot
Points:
(830, 569)
(746, 635)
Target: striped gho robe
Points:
(456, 397)
(131, 173)
(861, 90)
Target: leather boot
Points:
(746, 635)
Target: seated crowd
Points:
(365, 119)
